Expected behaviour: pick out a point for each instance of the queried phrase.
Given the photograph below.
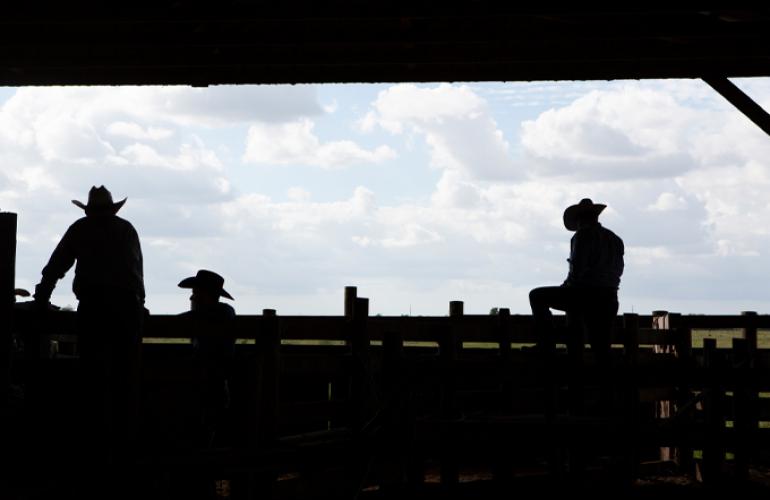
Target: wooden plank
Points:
(745, 104)
(361, 383)
(657, 394)
(721, 322)
(478, 328)
(31, 322)
(411, 329)
(449, 351)
(763, 409)
(298, 412)
(351, 293)
(427, 329)
(318, 365)
(161, 371)
(713, 402)
(504, 341)
(631, 423)
(268, 412)
(7, 299)
(313, 327)
(744, 402)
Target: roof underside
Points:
(305, 41)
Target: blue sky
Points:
(417, 194)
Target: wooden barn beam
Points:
(740, 100)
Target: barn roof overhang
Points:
(306, 41)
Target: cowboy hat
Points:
(100, 200)
(574, 212)
(207, 280)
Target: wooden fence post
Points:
(271, 378)
(744, 419)
(449, 352)
(676, 324)
(713, 402)
(398, 438)
(350, 301)
(262, 406)
(546, 347)
(7, 298)
(346, 389)
(630, 422)
(262, 384)
(750, 334)
(502, 467)
(504, 341)
(752, 364)
(663, 408)
(361, 380)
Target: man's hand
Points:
(42, 297)
(41, 304)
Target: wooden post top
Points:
(456, 308)
(350, 300)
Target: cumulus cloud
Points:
(623, 133)
(295, 143)
(667, 202)
(135, 131)
(455, 123)
(133, 139)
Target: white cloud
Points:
(190, 157)
(453, 191)
(132, 139)
(331, 107)
(667, 202)
(135, 131)
(455, 123)
(296, 193)
(623, 133)
(411, 235)
(69, 140)
(295, 143)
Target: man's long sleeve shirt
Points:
(108, 255)
(596, 258)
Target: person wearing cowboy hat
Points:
(106, 249)
(213, 352)
(207, 288)
(109, 286)
(589, 295)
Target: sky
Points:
(416, 194)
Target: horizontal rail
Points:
(471, 328)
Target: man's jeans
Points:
(591, 309)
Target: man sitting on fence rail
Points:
(589, 295)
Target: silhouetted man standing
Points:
(213, 348)
(589, 295)
(109, 286)
(214, 345)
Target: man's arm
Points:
(136, 252)
(62, 259)
(578, 259)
